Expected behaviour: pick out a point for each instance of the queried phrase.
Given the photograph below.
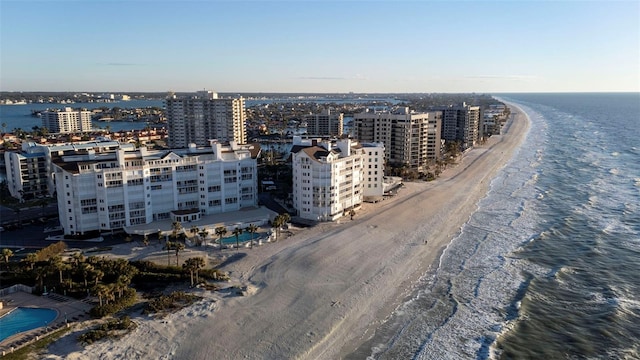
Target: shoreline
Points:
(322, 292)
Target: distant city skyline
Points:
(320, 47)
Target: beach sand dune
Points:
(320, 293)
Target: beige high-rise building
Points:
(203, 117)
(411, 139)
(461, 123)
(67, 120)
(324, 124)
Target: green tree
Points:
(193, 265)
(86, 270)
(40, 273)
(178, 247)
(77, 258)
(237, 231)
(194, 231)
(102, 291)
(203, 235)
(169, 246)
(7, 254)
(252, 230)
(221, 231)
(30, 259)
(279, 222)
(58, 265)
(97, 275)
(176, 227)
(122, 283)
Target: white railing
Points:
(15, 288)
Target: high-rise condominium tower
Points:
(67, 120)
(203, 117)
(411, 139)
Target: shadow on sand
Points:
(231, 259)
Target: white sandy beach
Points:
(321, 292)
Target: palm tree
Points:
(199, 264)
(189, 266)
(194, 231)
(97, 275)
(176, 226)
(31, 260)
(102, 291)
(169, 246)
(122, 283)
(277, 223)
(77, 258)
(7, 254)
(237, 231)
(285, 218)
(252, 230)
(220, 231)
(280, 221)
(178, 247)
(40, 273)
(58, 265)
(203, 236)
(86, 269)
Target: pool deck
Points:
(69, 310)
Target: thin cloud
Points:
(503, 77)
(121, 64)
(356, 77)
(321, 78)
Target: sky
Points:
(357, 46)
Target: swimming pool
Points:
(23, 319)
(244, 237)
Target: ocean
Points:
(548, 266)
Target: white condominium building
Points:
(100, 191)
(410, 139)
(329, 181)
(203, 117)
(29, 172)
(324, 124)
(67, 120)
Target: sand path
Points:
(322, 292)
